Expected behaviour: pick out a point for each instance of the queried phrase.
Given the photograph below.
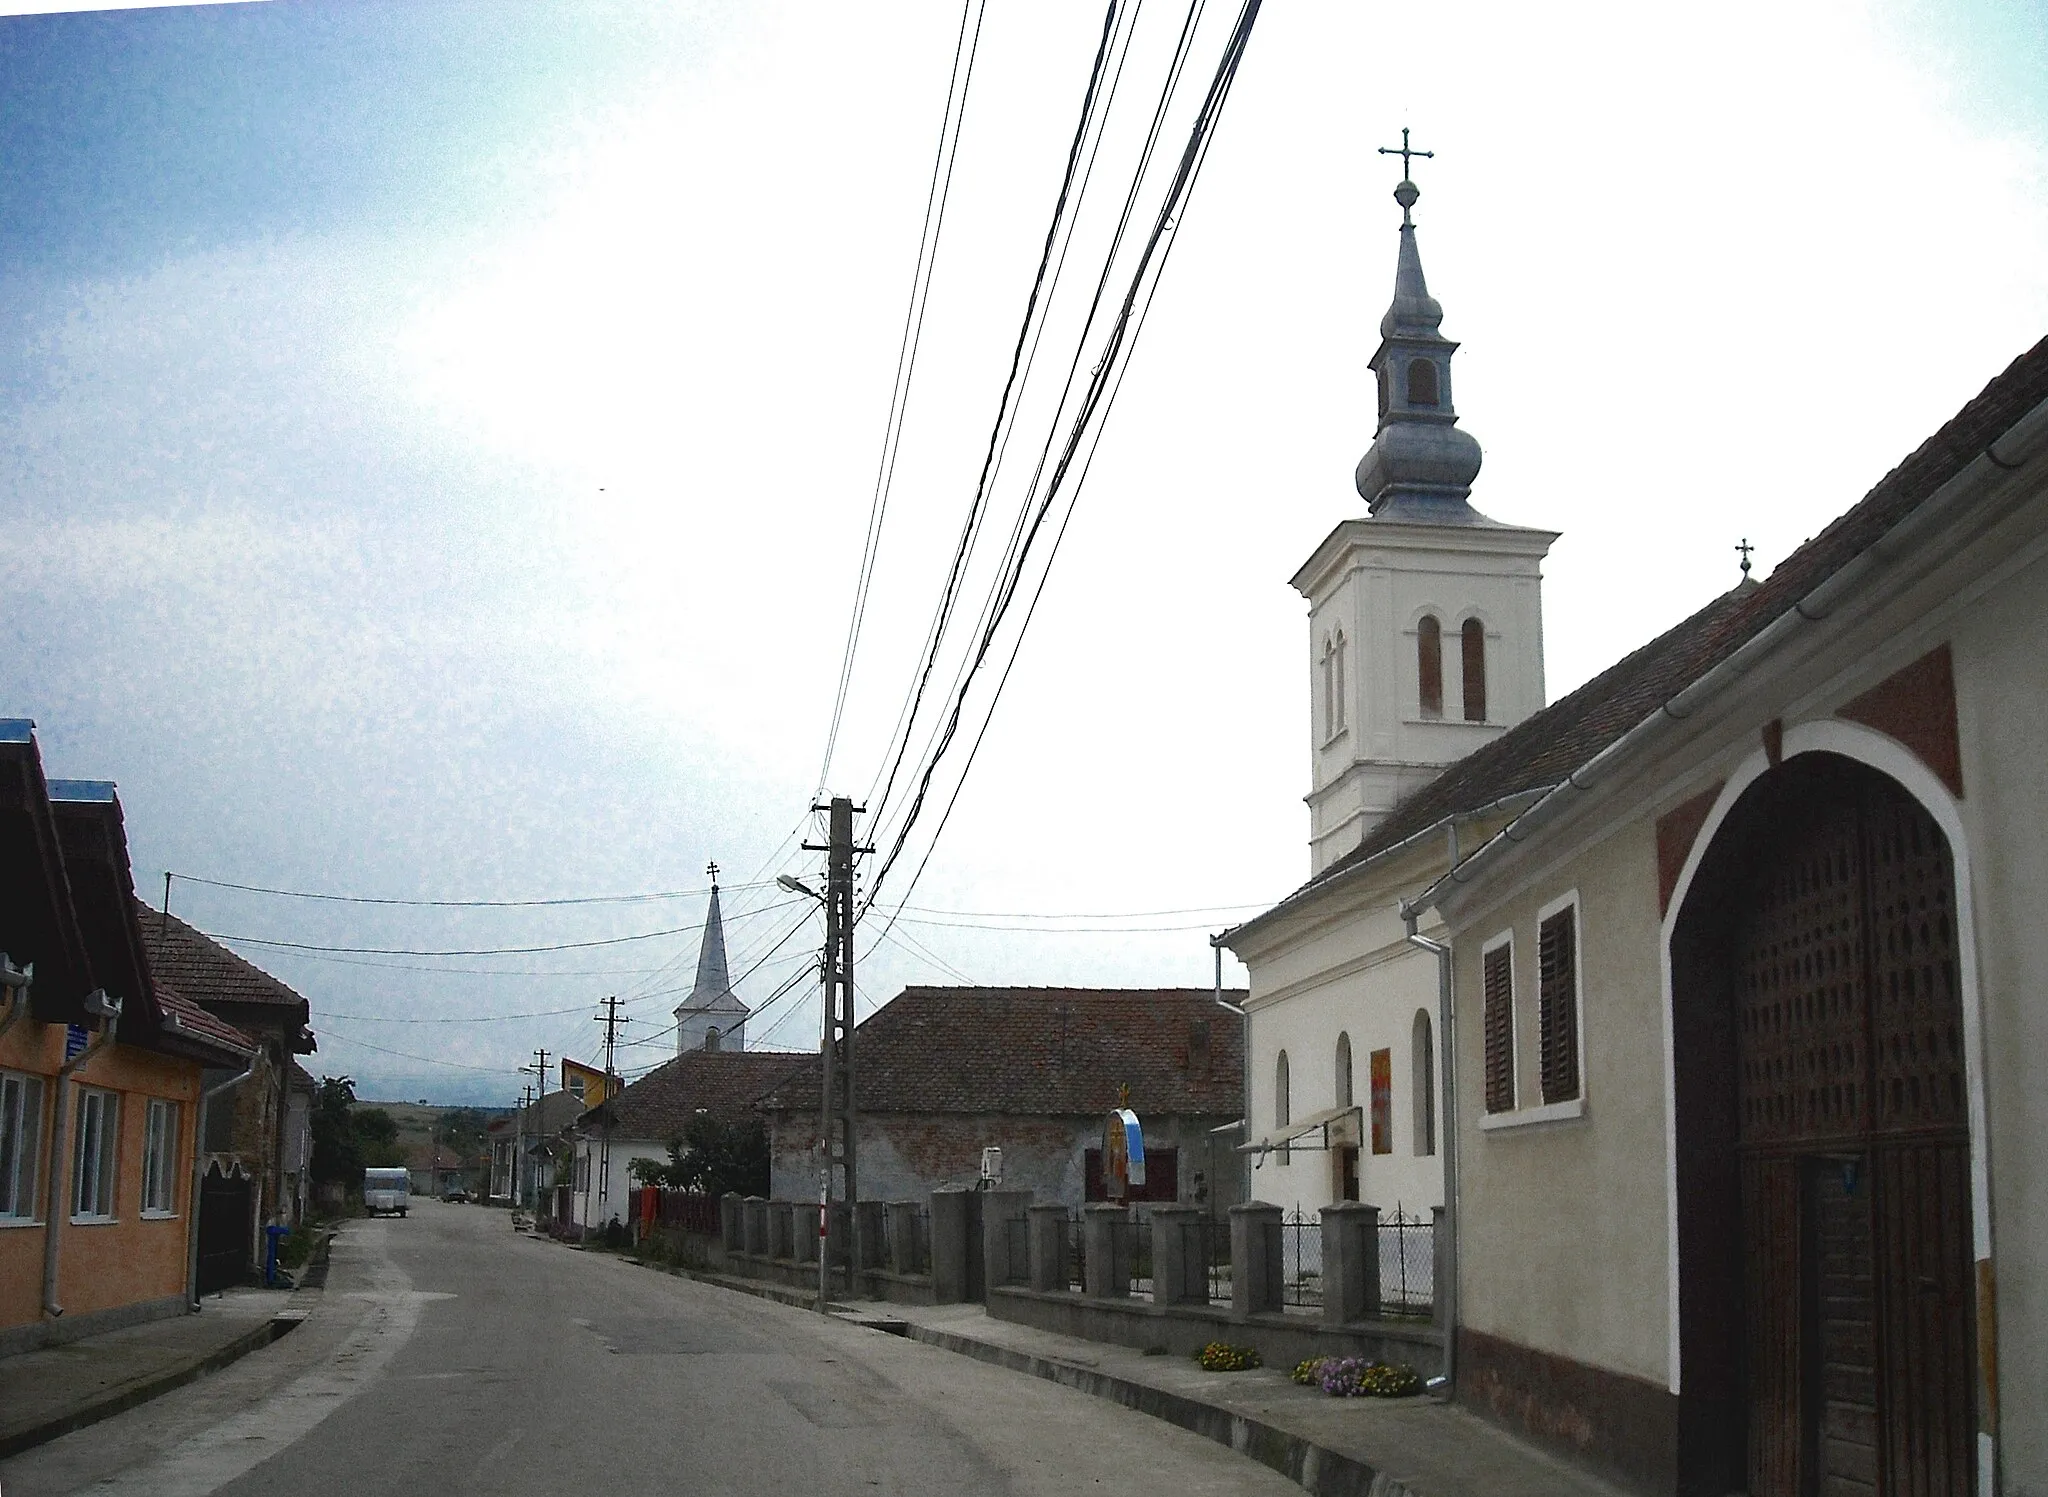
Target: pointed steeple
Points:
(712, 1017)
(1420, 466)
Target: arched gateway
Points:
(1826, 1316)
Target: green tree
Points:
(376, 1133)
(713, 1157)
(337, 1152)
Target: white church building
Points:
(1425, 643)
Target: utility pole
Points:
(611, 1022)
(540, 1069)
(837, 1117)
(519, 1144)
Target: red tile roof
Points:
(206, 971)
(724, 1083)
(1040, 1052)
(196, 1020)
(1542, 750)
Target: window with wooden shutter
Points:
(1473, 639)
(1500, 1028)
(1557, 965)
(1429, 665)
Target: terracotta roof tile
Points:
(724, 1083)
(206, 971)
(1542, 750)
(192, 1017)
(1057, 1052)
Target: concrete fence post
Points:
(757, 1226)
(1178, 1276)
(804, 1220)
(956, 1245)
(999, 1265)
(1106, 1236)
(1351, 1262)
(903, 1238)
(730, 1226)
(1256, 1268)
(782, 1229)
(871, 1237)
(1048, 1233)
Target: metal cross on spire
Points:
(712, 869)
(1406, 192)
(1745, 548)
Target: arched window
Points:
(1385, 383)
(1429, 664)
(1343, 1070)
(1422, 389)
(1333, 684)
(711, 1038)
(1422, 1057)
(1475, 671)
(1281, 1115)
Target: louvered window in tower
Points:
(1499, 1023)
(1429, 665)
(1422, 389)
(1474, 639)
(1557, 962)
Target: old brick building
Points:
(944, 1072)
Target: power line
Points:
(1195, 909)
(545, 1013)
(649, 935)
(646, 897)
(928, 237)
(431, 1060)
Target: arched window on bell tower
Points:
(1474, 642)
(1422, 383)
(1332, 665)
(1429, 665)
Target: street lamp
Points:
(798, 886)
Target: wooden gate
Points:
(1854, 1159)
(224, 1207)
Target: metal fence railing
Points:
(1076, 1254)
(1016, 1240)
(1301, 1260)
(1205, 1254)
(1407, 1264)
(920, 1256)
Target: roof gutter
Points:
(1512, 802)
(2029, 435)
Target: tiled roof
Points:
(725, 1083)
(206, 971)
(1058, 1052)
(192, 1017)
(550, 1115)
(1542, 750)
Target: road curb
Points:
(140, 1393)
(1317, 1468)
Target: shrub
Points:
(1222, 1356)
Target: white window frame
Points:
(21, 1147)
(1574, 1108)
(160, 1160)
(1492, 944)
(95, 1156)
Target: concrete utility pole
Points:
(541, 1068)
(839, 1137)
(611, 1022)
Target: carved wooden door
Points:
(1852, 1128)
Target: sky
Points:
(437, 441)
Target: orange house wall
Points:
(103, 1265)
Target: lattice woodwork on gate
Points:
(1916, 1008)
(1500, 1029)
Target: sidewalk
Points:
(47, 1393)
(1338, 1447)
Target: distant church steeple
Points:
(711, 1018)
(1420, 466)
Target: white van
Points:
(386, 1190)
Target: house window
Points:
(1281, 1115)
(1499, 964)
(1474, 641)
(92, 1166)
(1429, 664)
(1557, 999)
(1343, 1070)
(159, 1159)
(1383, 1101)
(1422, 387)
(1422, 1057)
(21, 1132)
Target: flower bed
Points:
(1354, 1377)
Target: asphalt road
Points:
(450, 1355)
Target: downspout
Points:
(109, 1010)
(1244, 1048)
(1447, 1135)
(199, 1176)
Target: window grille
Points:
(21, 1132)
(1500, 1028)
(1557, 961)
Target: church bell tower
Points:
(1425, 616)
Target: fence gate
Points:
(1854, 1159)
(224, 1206)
